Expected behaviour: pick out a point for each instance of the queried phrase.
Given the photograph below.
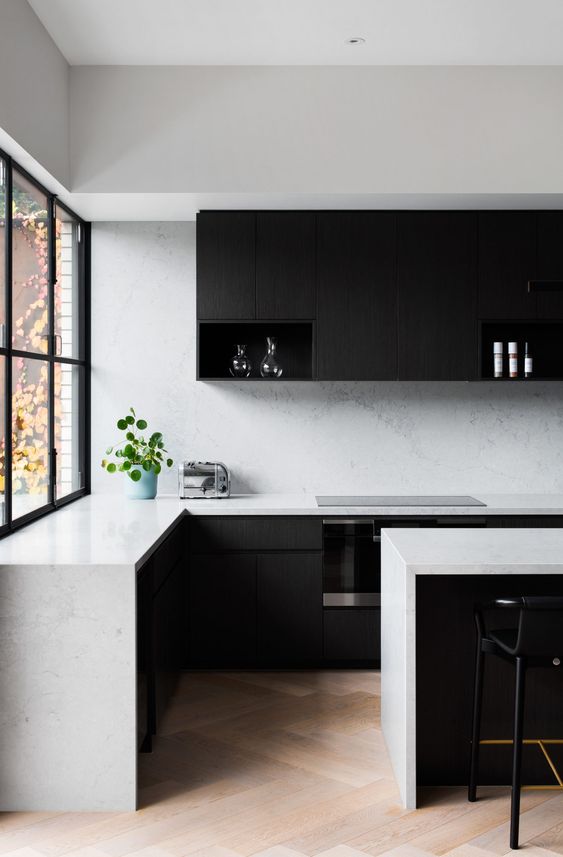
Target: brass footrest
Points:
(541, 743)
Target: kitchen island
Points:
(429, 585)
(69, 621)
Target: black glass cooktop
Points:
(394, 500)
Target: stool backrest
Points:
(540, 626)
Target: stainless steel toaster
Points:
(203, 479)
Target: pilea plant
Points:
(134, 453)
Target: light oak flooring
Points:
(282, 765)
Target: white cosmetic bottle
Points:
(497, 359)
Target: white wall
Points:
(34, 95)
(317, 129)
(360, 437)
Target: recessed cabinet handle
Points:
(545, 285)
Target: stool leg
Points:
(517, 750)
(476, 727)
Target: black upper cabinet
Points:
(285, 265)
(437, 253)
(550, 264)
(290, 599)
(356, 306)
(372, 295)
(226, 265)
(507, 261)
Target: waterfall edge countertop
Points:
(68, 634)
(110, 529)
(408, 555)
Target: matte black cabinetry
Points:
(168, 636)
(255, 533)
(516, 248)
(145, 673)
(550, 265)
(352, 635)
(222, 610)
(255, 594)
(226, 265)
(368, 295)
(285, 265)
(290, 608)
(507, 261)
(255, 266)
(357, 306)
(161, 630)
(437, 256)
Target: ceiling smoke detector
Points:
(355, 40)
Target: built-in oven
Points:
(352, 555)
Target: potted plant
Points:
(141, 460)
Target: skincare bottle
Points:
(528, 363)
(513, 359)
(497, 358)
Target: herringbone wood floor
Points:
(282, 765)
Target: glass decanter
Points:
(270, 366)
(241, 366)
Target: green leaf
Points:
(160, 444)
(118, 453)
(156, 436)
(111, 468)
(122, 425)
(126, 464)
(128, 451)
(129, 419)
(147, 465)
(104, 462)
(141, 424)
(157, 469)
(130, 435)
(135, 475)
(109, 450)
(169, 462)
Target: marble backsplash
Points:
(338, 437)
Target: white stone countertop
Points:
(479, 551)
(407, 553)
(110, 529)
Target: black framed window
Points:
(44, 350)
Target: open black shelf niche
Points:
(217, 341)
(545, 341)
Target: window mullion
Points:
(52, 273)
(8, 247)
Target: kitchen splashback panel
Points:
(322, 438)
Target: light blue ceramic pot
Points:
(144, 489)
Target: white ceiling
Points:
(305, 32)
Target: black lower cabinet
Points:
(289, 609)
(144, 657)
(222, 610)
(542, 521)
(168, 634)
(352, 635)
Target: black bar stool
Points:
(535, 641)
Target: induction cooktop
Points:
(390, 500)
